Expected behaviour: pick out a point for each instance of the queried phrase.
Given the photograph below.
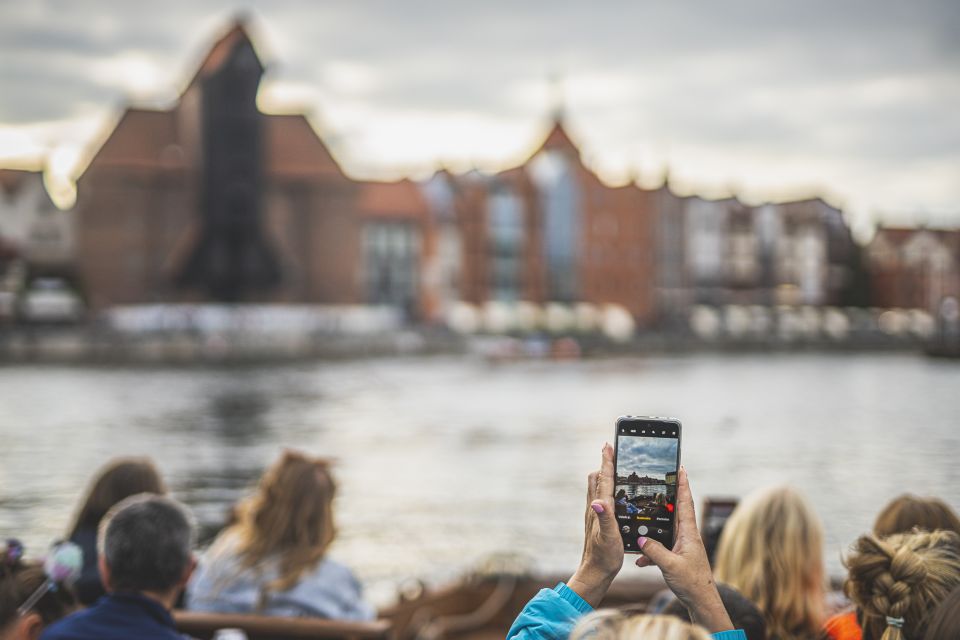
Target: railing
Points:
(205, 625)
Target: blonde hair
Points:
(289, 520)
(610, 624)
(904, 576)
(771, 550)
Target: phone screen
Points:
(645, 492)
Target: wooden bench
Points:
(204, 625)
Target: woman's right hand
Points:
(686, 569)
(602, 544)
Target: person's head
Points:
(743, 613)
(289, 519)
(897, 581)
(906, 512)
(771, 550)
(945, 621)
(119, 479)
(610, 624)
(146, 544)
(18, 581)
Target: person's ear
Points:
(191, 566)
(29, 627)
(104, 573)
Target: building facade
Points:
(36, 245)
(213, 200)
(725, 252)
(914, 268)
(31, 225)
(550, 232)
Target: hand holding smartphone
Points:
(647, 460)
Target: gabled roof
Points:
(515, 175)
(147, 139)
(138, 140)
(292, 148)
(557, 139)
(221, 50)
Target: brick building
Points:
(914, 268)
(213, 200)
(550, 231)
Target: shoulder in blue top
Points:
(552, 614)
(329, 590)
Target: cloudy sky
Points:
(654, 457)
(855, 100)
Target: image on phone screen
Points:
(645, 492)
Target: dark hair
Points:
(945, 621)
(743, 613)
(906, 512)
(18, 581)
(119, 479)
(147, 543)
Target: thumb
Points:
(655, 552)
(604, 511)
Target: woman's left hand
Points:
(602, 544)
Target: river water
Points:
(444, 462)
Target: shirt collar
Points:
(132, 599)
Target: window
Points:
(390, 264)
(560, 197)
(506, 234)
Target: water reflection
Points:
(234, 418)
(238, 417)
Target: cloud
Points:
(646, 456)
(852, 98)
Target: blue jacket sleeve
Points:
(552, 614)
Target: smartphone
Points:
(645, 492)
(716, 512)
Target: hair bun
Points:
(906, 566)
(896, 580)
